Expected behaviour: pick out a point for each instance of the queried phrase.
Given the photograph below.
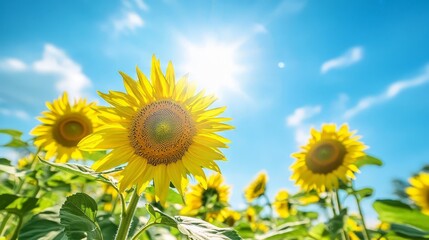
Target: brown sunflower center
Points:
(325, 156)
(162, 132)
(210, 196)
(71, 128)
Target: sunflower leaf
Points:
(158, 217)
(80, 170)
(43, 226)
(16, 141)
(197, 229)
(393, 211)
(17, 205)
(78, 216)
(368, 160)
(409, 231)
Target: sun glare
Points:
(213, 65)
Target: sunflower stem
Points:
(135, 237)
(127, 217)
(365, 230)
(268, 203)
(337, 206)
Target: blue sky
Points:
(284, 67)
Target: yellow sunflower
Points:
(257, 187)
(208, 201)
(63, 126)
(25, 161)
(328, 158)
(162, 129)
(228, 216)
(281, 203)
(419, 191)
(255, 224)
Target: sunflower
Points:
(257, 187)
(207, 201)
(63, 126)
(163, 130)
(25, 162)
(281, 203)
(419, 191)
(228, 216)
(255, 224)
(328, 158)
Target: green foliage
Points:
(194, 228)
(16, 141)
(43, 226)
(17, 205)
(392, 211)
(368, 160)
(78, 216)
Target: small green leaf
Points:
(197, 229)
(17, 205)
(336, 223)
(392, 211)
(107, 226)
(362, 193)
(289, 233)
(368, 160)
(94, 156)
(16, 141)
(78, 215)
(158, 217)
(43, 226)
(409, 231)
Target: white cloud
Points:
(15, 113)
(71, 78)
(350, 57)
(301, 114)
(281, 64)
(128, 21)
(290, 6)
(296, 121)
(392, 91)
(13, 64)
(259, 28)
(142, 5)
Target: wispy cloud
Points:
(391, 91)
(352, 56)
(20, 114)
(70, 76)
(289, 6)
(301, 114)
(129, 21)
(13, 65)
(296, 121)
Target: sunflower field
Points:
(145, 166)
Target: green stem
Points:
(127, 217)
(365, 232)
(18, 227)
(268, 203)
(135, 237)
(337, 206)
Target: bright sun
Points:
(213, 65)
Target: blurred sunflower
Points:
(228, 216)
(329, 157)
(255, 224)
(207, 201)
(25, 161)
(353, 227)
(257, 187)
(419, 191)
(281, 203)
(63, 126)
(162, 129)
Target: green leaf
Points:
(319, 232)
(80, 170)
(368, 160)
(393, 211)
(16, 141)
(95, 156)
(409, 231)
(17, 205)
(78, 215)
(290, 233)
(158, 217)
(197, 229)
(43, 226)
(362, 193)
(336, 223)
